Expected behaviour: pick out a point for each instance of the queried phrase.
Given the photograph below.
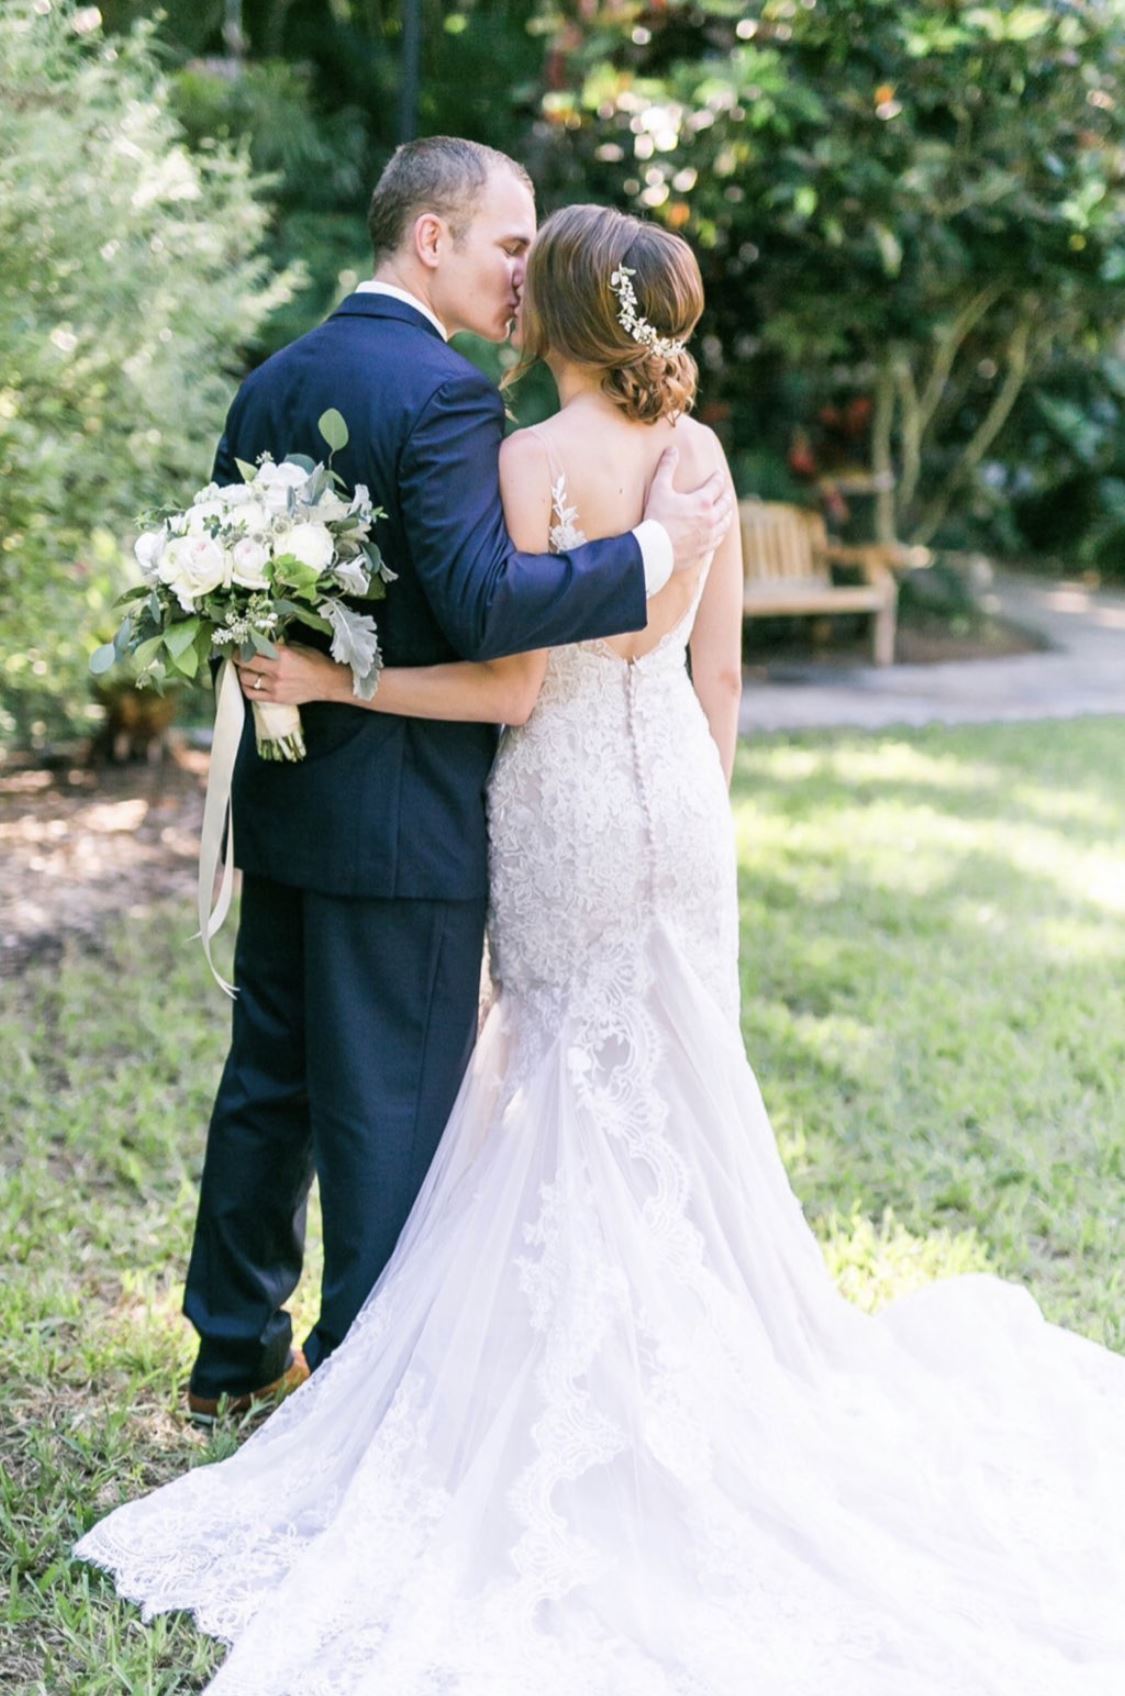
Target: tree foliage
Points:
(313, 92)
(910, 215)
(924, 201)
(131, 276)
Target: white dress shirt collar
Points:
(372, 286)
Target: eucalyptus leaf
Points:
(334, 429)
(263, 645)
(249, 472)
(307, 465)
(103, 659)
(315, 486)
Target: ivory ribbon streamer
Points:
(230, 712)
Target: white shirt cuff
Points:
(656, 551)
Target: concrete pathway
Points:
(1081, 671)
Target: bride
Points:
(605, 1427)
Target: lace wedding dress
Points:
(605, 1427)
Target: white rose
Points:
(207, 494)
(312, 544)
(147, 550)
(329, 509)
(249, 559)
(273, 483)
(292, 474)
(201, 513)
(235, 494)
(193, 566)
(252, 518)
(276, 497)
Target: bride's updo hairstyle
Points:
(573, 308)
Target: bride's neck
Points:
(578, 383)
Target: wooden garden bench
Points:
(787, 565)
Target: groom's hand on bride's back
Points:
(696, 519)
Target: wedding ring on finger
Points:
(258, 681)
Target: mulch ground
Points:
(80, 845)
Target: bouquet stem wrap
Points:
(278, 730)
(230, 714)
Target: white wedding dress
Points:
(605, 1427)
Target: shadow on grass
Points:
(1067, 776)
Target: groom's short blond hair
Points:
(441, 174)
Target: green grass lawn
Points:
(934, 991)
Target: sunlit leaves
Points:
(853, 175)
(129, 280)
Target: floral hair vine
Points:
(621, 282)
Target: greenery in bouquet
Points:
(244, 565)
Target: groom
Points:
(364, 866)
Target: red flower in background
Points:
(857, 415)
(801, 458)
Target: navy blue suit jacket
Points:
(386, 806)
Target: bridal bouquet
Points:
(237, 570)
(244, 564)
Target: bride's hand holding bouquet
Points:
(297, 675)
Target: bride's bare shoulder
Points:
(700, 449)
(523, 451)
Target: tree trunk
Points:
(1019, 359)
(882, 456)
(910, 432)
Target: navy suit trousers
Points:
(351, 1032)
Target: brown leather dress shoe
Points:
(205, 1409)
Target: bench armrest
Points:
(877, 559)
